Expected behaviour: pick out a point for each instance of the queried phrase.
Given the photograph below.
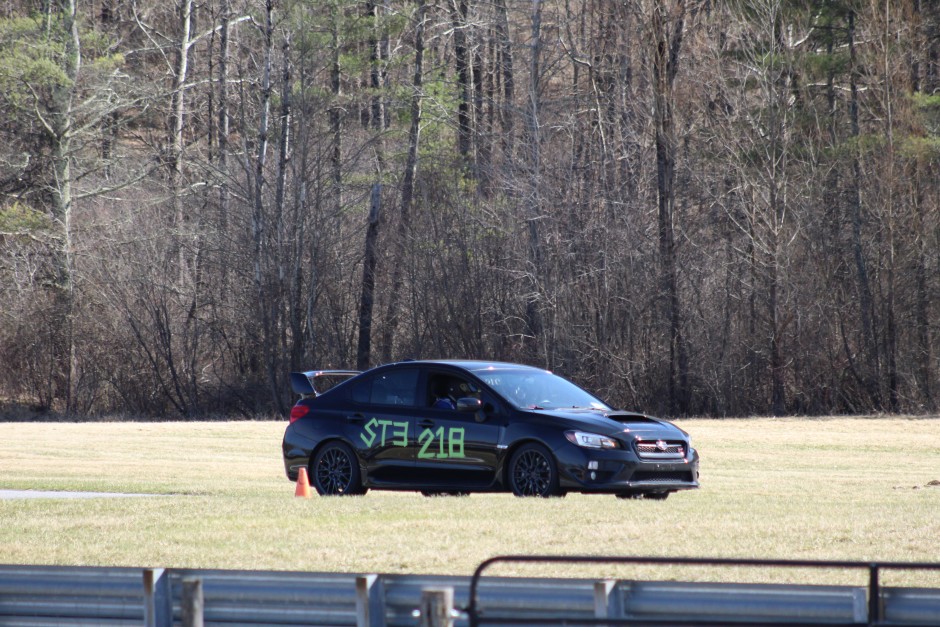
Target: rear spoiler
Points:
(316, 382)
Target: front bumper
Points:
(621, 471)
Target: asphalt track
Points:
(46, 494)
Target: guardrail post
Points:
(158, 605)
(437, 607)
(606, 600)
(192, 602)
(370, 601)
(874, 595)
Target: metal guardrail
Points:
(62, 595)
(43, 596)
(704, 605)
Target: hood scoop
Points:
(632, 418)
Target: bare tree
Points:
(399, 244)
(667, 28)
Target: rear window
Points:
(398, 387)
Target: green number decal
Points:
(455, 442)
(369, 428)
(385, 425)
(400, 432)
(440, 443)
(426, 437)
(447, 447)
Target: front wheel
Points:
(533, 472)
(336, 471)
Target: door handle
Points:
(426, 424)
(355, 418)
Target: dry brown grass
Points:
(839, 488)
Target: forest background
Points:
(690, 207)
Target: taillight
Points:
(298, 411)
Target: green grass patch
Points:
(840, 488)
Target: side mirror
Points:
(469, 404)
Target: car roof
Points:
(474, 365)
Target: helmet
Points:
(465, 388)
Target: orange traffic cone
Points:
(303, 484)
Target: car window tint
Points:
(362, 391)
(443, 390)
(390, 388)
(539, 389)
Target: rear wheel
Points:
(533, 472)
(336, 471)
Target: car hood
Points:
(614, 423)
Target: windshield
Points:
(539, 389)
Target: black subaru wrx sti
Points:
(455, 427)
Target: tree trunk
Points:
(367, 296)
(533, 205)
(869, 375)
(378, 78)
(223, 133)
(891, 334)
(176, 138)
(336, 113)
(459, 10)
(259, 219)
(407, 189)
(60, 131)
(378, 45)
(667, 45)
(507, 77)
(777, 388)
(923, 367)
(286, 299)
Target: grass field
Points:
(852, 489)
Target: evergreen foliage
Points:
(688, 207)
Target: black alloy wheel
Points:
(336, 471)
(532, 472)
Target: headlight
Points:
(590, 440)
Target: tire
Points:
(533, 472)
(335, 471)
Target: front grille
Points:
(661, 477)
(660, 449)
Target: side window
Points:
(443, 390)
(438, 392)
(391, 388)
(362, 392)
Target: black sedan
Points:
(454, 427)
